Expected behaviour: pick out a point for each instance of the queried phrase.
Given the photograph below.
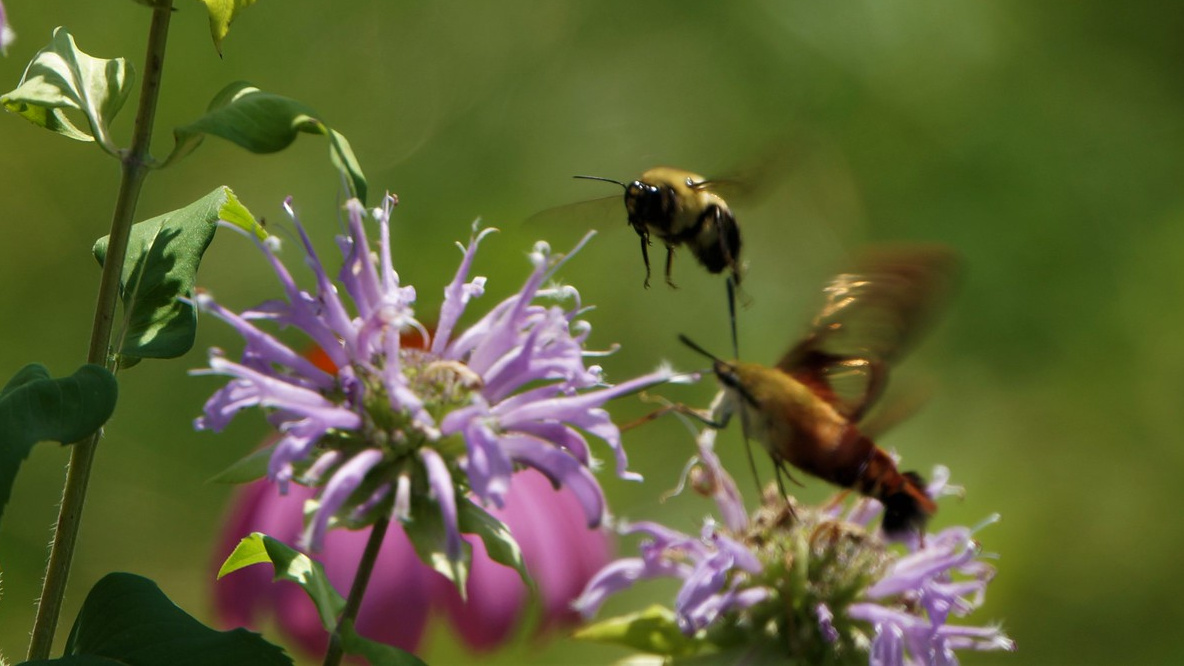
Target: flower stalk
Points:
(361, 581)
(134, 167)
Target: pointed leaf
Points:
(292, 565)
(499, 543)
(222, 14)
(309, 574)
(127, 619)
(653, 630)
(62, 77)
(35, 407)
(251, 467)
(160, 270)
(428, 536)
(263, 122)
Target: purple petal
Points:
(488, 463)
(695, 602)
(337, 491)
(887, 647)
(457, 294)
(723, 487)
(358, 273)
(562, 469)
(613, 578)
(442, 490)
(560, 435)
(583, 411)
(826, 622)
(255, 389)
(265, 349)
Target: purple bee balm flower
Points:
(561, 554)
(802, 583)
(714, 569)
(391, 423)
(6, 34)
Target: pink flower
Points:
(561, 554)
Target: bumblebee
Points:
(681, 208)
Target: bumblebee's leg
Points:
(670, 266)
(645, 253)
(727, 233)
(732, 317)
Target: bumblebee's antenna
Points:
(607, 180)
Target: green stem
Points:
(134, 169)
(336, 649)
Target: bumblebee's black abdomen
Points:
(717, 240)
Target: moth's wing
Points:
(871, 318)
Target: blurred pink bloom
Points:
(561, 554)
(6, 33)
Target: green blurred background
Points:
(1043, 140)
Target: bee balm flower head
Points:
(396, 431)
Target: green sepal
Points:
(499, 543)
(160, 269)
(653, 630)
(289, 564)
(35, 408)
(62, 77)
(250, 467)
(222, 14)
(263, 122)
(428, 536)
(126, 619)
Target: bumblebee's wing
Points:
(749, 183)
(601, 214)
(872, 317)
(728, 189)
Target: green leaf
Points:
(77, 660)
(653, 630)
(222, 14)
(292, 565)
(61, 77)
(247, 469)
(161, 268)
(378, 654)
(127, 620)
(35, 407)
(428, 536)
(263, 122)
(499, 543)
(309, 574)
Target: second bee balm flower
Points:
(410, 433)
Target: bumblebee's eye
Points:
(645, 201)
